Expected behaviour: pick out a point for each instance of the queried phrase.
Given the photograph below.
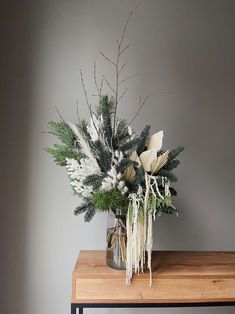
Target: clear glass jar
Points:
(116, 241)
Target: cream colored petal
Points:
(147, 157)
(159, 162)
(134, 156)
(130, 172)
(155, 141)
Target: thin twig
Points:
(124, 49)
(127, 22)
(95, 80)
(127, 78)
(59, 114)
(107, 82)
(122, 67)
(113, 63)
(119, 52)
(87, 102)
(124, 92)
(77, 110)
(101, 85)
(140, 107)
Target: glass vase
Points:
(116, 241)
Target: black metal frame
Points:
(81, 306)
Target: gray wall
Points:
(185, 52)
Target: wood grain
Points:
(177, 277)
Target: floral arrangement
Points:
(112, 169)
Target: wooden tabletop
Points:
(177, 277)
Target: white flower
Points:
(78, 172)
(130, 132)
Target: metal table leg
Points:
(74, 308)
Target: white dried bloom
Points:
(78, 172)
(125, 189)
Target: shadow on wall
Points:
(15, 112)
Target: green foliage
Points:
(82, 127)
(173, 191)
(171, 164)
(102, 155)
(138, 142)
(81, 209)
(175, 152)
(143, 139)
(109, 200)
(94, 180)
(90, 213)
(61, 152)
(168, 174)
(139, 179)
(106, 109)
(125, 163)
(169, 210)
(63, 132)
(121, 135)
(86, 208)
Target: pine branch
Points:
(90, 213)
(81, 209)
(169, 210)
(168, 174)
(61, 152)
(175, 152)
(106, 109)
(125, 163)
(63, 132)
(102, 155)
(171, 164)
(144, 138)
(94, 180)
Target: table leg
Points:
(73, 309)
(80, 310)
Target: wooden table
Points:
(180, 279)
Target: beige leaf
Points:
(129, 173)
(134, 156)
(159, 162)
(147, 157)
(155, 141)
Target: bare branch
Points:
(117, 71)
(140, 107)
(122, 67)
(85, 92)
(127, 22)
(127, 78)
(95, 80)
(77, 110)
(124, 49)
(59, 114)
(124, 92)
(87, 102)
(107, 82)
(101, 85)
(113, 63)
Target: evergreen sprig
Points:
(61, 152)
(102, 155)
(106, 109)
(62, 130)
(113, 199)
(143, 139)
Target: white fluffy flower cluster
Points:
(114, 178)
(77, 173)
